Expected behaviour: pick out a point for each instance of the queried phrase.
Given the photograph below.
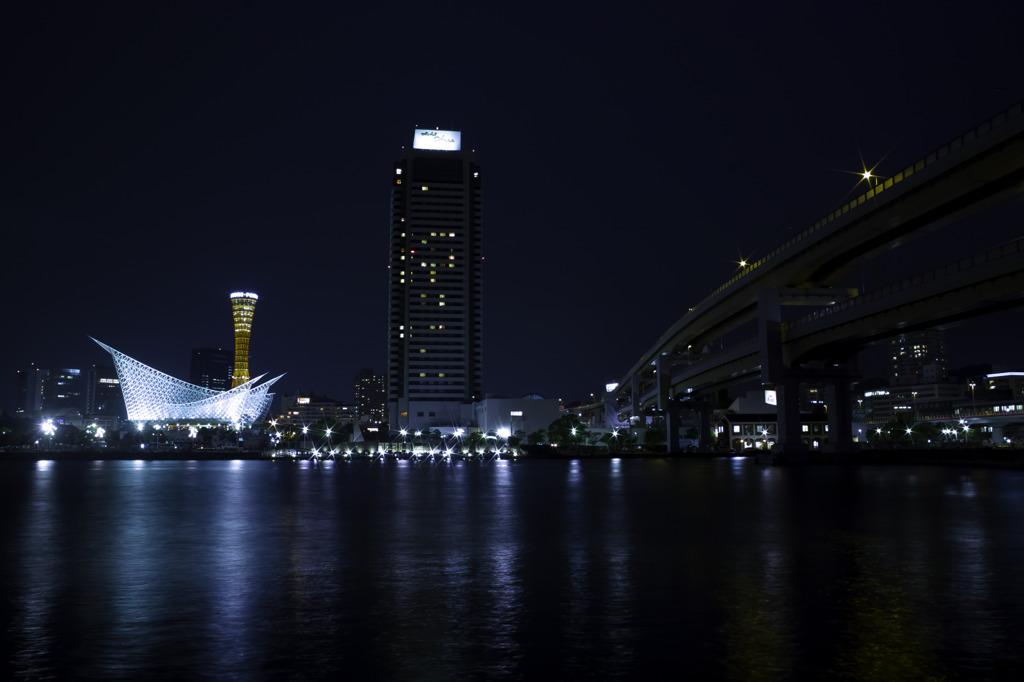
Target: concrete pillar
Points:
(668, 407)
(634, 397)
(702, 407)
(790, 445)
(672, 421)
(840, 417)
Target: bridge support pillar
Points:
(672, 420)
(702, 408)
(669, 408)
(840, 418)
(790, 446)
(634, 397)
(998, 435)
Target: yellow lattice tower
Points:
(243, 305)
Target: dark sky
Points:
(158, 156)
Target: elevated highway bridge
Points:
(983, 166)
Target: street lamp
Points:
(974, 405)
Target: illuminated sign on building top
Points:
(443, 140)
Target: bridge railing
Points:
(971, 136)
(961, 265)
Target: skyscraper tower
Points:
(435, 316)
(243, 305)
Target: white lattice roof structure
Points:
(151, 395)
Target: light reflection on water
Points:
(604, 569)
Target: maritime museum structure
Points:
(150, 395)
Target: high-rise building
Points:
(211, 368)
(435, 317)
(371, 397)
(919, 358)
(29, 390)
(63, 390)
(103, 392)
(243, 306)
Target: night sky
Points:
(158, 156)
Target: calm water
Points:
(568, 570)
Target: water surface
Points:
(608, 569)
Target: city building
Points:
(151, 395)
(517, 415)
(211, 368)
(63, 390)
(435, 312)
(304, 410)
(750, 423)
(103, 393)
(28, 390)
(919, 358)
(1004, 386)
(243, 306)
(371, 398)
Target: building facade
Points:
(371, 398)
(435, 316)
(919, 358)
(300, 410)
(103, 393)
(211, 368)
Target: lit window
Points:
(423, 350)
(424, 188)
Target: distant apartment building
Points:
(28, 390)
(371, 398)
(103, 397)
(305, 410)
(919, 358)
(211, 368)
